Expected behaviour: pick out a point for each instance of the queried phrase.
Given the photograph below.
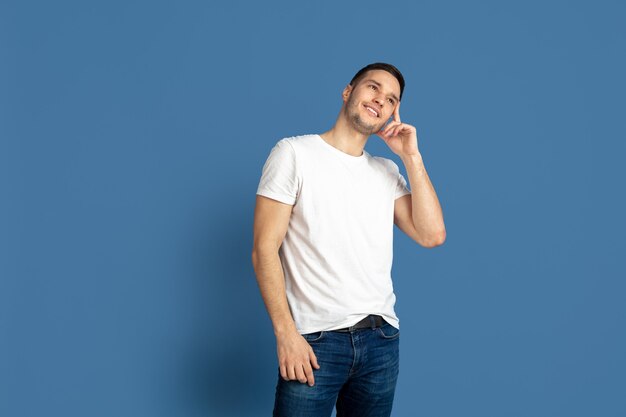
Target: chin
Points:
(363, 127)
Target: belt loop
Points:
(372, 322)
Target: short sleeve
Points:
(279, 179)
(401, 185)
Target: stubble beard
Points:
(357, 122)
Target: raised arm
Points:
(418, 214)
(295, 355)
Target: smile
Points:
(371, 110)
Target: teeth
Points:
(372, 111)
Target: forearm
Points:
(271, 280)
(426, 211)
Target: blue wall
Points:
(132, 137)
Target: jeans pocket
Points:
(313, 337)
(388, 332)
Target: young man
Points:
(323, 234)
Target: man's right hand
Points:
(296, 358)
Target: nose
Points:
(379, 99)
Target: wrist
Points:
(413, 159)
(284, 330)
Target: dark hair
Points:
(380, 66)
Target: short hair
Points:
(380, 66)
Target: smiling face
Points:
(371, 101)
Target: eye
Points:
(391, 101)
(373, 86)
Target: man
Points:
(323, 234)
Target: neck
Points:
(344, 137)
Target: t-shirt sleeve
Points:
(401, 185)
(279, 179)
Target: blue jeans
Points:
(358, 372)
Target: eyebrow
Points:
(378, 84)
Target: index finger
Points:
(308, 373)
(396, 114)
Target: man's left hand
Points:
(400, 137)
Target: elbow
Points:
(437, 239)
(254, 258)
(261, 252)
(257, 255)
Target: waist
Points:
(372, 321)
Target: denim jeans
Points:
(358, 373)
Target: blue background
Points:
(132, 137)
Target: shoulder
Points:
(293, 150)
(298, 146)
(386, 164)
(298, 141)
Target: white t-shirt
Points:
(337, 252)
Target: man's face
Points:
(370, 103)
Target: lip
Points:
(367, 106)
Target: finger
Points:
(300, 375)
(403, 129)
(380, 135)
(308, 374)
(313, 359)
(283, 372)
(387, 129)
(291, 373)
(396, 113)
(388, 126)
(397, 129)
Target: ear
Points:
(346, 93)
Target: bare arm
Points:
(295, 355)
(419, 213)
